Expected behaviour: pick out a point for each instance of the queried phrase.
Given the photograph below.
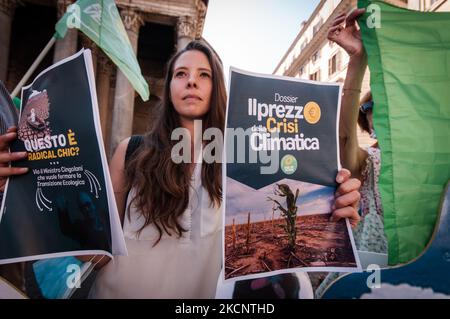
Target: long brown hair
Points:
(162, 186)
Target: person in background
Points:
(364, 164)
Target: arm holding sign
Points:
(364, 164)
(349, 38)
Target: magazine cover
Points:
(64, 205)
(282, 159)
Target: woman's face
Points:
(191, 85)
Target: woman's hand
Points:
(348, 37)
(6, 157)
(347, 198)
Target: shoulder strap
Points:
(133, 145)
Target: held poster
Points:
(282, 158)
(64, 205)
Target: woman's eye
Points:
(180, 74)
(205, 75)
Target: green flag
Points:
(101, 22)
(409, 61)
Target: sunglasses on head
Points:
(366, 106)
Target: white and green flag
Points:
(101, 22)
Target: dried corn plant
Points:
(289, 213)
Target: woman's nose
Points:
(192, 81)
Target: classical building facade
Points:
(156, 28)
(311, 56)
(429, 5)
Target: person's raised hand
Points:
(347, 35)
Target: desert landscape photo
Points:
(281, 226)
(264, 246)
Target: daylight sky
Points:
(254, 34)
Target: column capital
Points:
(89, 44)
(104, 65)
(185, 27)
(201, 15)
(132, 20)
(201, 7)
(61, 7)
(8, 7)
(157, 85)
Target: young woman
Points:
(171, 213)
(172, 227)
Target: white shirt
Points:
(186, 267)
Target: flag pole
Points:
(33, 66)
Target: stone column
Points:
(123, 109)
(157, 85)
(109, 115)
(185, 31)
(89, 44)
(67, 46)
(105, 71)
(6, 15)
(201, 16)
